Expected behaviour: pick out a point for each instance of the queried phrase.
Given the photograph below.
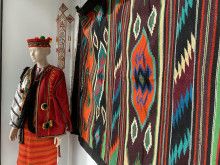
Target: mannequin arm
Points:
(13, 134)
(58, 140)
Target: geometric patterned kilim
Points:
(147, 82)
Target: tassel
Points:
(58, 151)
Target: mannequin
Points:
(40, 109)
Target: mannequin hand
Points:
(13, 134)
(57, 140)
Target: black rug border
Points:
(91, 152)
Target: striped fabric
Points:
(149, 82)
(37, 151)
(17, 103)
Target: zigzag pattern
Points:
(118, 43)
(114, 147)
(184, 14)
(115, 117)
(186, 59)
(181, 106)
(180, 148)
(100, 77)
(116, 94)
(117, 66)
(118, 50)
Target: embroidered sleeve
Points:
(15, 110)
(16, 107)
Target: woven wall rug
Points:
(147, 87)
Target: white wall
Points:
(23, 19)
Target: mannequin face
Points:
(39, 54)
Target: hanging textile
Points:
(64, 26)
(66, 39)
(148, 82)
(66, 42)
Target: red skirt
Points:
(37, 151)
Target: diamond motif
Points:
(70, 18)
(148, 139)
(134, 130)
(142, 79)
(97, 136)
(152, 20)
(137, 26)
(63, 8)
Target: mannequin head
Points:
(39, 54)
(39, 50)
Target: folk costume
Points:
(40, 110)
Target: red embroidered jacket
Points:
(52, 116)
